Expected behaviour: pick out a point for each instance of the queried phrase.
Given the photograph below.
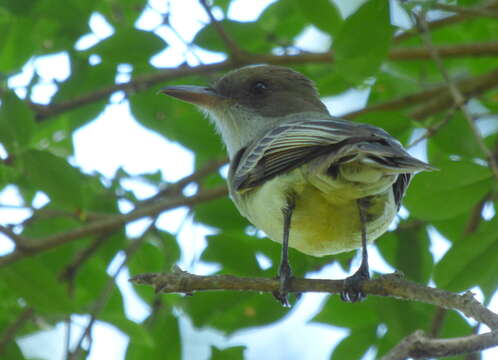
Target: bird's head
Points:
(249, 100)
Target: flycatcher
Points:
(310, 181)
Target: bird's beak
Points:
(198, 95)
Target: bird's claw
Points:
(284, 277)
(352, 291)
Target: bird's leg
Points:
(352, 285)
(284, 271)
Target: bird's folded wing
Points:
(294, 143)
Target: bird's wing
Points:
(293, 143)
(399, 188)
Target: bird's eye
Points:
(259, 87)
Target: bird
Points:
(311, 181)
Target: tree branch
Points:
(439, 96)
(418, 345)
(392, 285)
(110, 223)
(147, 81)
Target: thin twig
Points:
(437, 322)
(450, 20)
(233, 49)
(176, 188)
(469, 11)
(10, 332)
(476, 215)
(434, 128)
(70, 270)
(457, 95)
(106, 293)
(18, 240)
(418, 345)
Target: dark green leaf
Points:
(470, 260)
(220, 213)
(355, 344)
(446, 140)
(229, 311)
(84, 79)
(248, 35)
(53, 175)
(231, 353)
(16, 122)
(17, 43)
(363, 42)
(408, 250)
(130, 46)
(37, 285)
(283, 20)
(164, 331)
(237, 254)
(324, 14)
(177, 121)
(354, 316)
(454, 189)
(394, 122)
(12, 351)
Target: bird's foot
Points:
(352, 291)
(284, 277)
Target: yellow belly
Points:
(322, 223)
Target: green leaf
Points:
(237, 254)
(12, 351)
(248, 35)
(408, 250)
(470, 260)
(53, 175)
(324, 14)
(156, 254)
(17, 43)
(229, 311)
(231, 353)
(353, 316)
(178, 122)
(446, 140)
(449, 192)
(121, 13)
(20, 7)
(356, 344)
(84, 79)
(284, 20)
(129, 45)
(401, 318)
(165, 332)
(220, 213)
(17, 123)
(37, 285)
(395, 123)
(363, 42)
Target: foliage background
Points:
(61, 251)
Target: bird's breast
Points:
(325, 219)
